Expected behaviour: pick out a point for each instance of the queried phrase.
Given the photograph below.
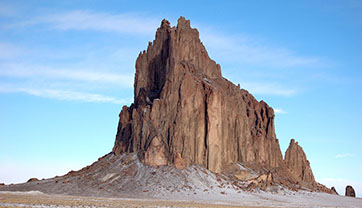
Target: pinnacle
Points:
(165, 23)
(183, 23)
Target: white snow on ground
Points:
(22, 192)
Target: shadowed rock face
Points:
(297, 163)
(183, 108)
(334, 191)
(350, 191)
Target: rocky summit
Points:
(184, 113)
(184, 107)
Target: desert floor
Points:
(41, 200)
(38, 199)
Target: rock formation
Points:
(183, 108)
(334, 190)
(350, 191)
(297, 163)
(32, 180)
(184, 112)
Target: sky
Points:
(67, 68)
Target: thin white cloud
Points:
(96, 21)
(245, 50)
(268, 89)
(231, 48)
(279, 111)
(65, 95)
(338, 156)
(37, 72)
(76, 96)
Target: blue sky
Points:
(67, 67)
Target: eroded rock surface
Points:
(181, 98)
(296, 161)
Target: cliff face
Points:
(183, 108)
(297, 163)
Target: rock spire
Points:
(297, 163)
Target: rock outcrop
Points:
(297, 163)
(184, 108)
(350, 191)
(32, 180)
(334, 191)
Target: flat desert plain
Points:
(41, 200)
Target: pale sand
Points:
(37, 199)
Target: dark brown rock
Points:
(32, 180)
(181, 99)
(2, 184)
(297, 163)
(251, 187)
(334, 191)
(350, 191)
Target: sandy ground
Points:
(37, 199)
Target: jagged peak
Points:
(165, 23)
(293, 142)
(183, 23)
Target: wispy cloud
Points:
(38, 71)
(338, 156)
(76, 96)
(268, 89)
(96, 21)
(245, 50)
(234, 49)
(64, 84)
(65, 95)
(279, 111)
